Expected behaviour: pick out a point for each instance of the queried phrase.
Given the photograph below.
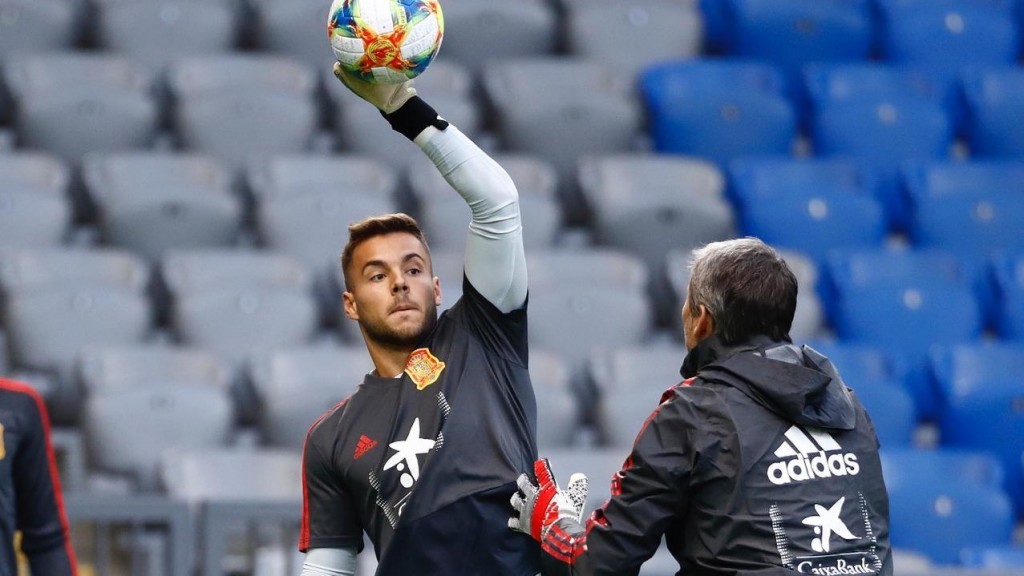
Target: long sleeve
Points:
(45, 532)
(495, 257)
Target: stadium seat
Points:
(852, 269)
(538, 111)
(994, 98)
(242, 108)
(448, 88)
(126, 431)
(154, 202)
(1007, 557)
(883, 133)
(573, 318)
(718, 109)
(295, 174)
(296, 385)
(185, 271)
(944, 178)
(841, 81)
(219, 474)
(110, 368)
(791, 33)
(754, 177)
(479, 31)
(292, 29)
(42, 269)
(976, 226)
(596, 265)
(632, 36)
(983, 405)
(650, 204)
(30, 219)
(1008, 272)
(445, 216)
(46, 329)
(816, 223)
(629, 382)
(559, 408)
(74, 103)
(941, 516)
(947, 35)
(37, 25)
(717, 26)
(236, 321)
(174, 29)
(907, 321)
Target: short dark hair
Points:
(747, 288)
(363, 230)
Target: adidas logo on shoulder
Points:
(810, 453)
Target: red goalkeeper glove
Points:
(538, 507)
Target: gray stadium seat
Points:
(37, 25)
(297, 385)
(41, 269)
(47, 329)
(243, 108)
(559, 411)
(478, 31)
(594, 266)
(445, 216)
(172, 29)
(206, 474)
(35, 209)
(106, 368)
(126, 431)
(291, 175)
(632, 35)
(650, 204)
(296, 29)
(539, 111)
(630, 381)
(197, 270)
(155, 202)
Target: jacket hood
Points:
(794, 381)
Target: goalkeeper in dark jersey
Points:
(30, 499)
(424, 456)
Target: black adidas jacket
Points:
(762, 462)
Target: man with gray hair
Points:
(760, 462)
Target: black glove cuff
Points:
(413, 117)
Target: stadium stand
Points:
(147, 146)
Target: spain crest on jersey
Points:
(423, 368)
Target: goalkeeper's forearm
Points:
(495, 258)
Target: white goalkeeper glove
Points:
(538, 507)
(386, 97)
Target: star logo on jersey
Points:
(364, 445)
(827, 523)
(406, 457)
(423, 368)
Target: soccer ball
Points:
(385, 41)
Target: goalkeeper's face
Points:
(394, 295)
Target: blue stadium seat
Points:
(940, 516)
(848, 269)
(717, 26)
(756, 178)
(944, 178)
(840, 81)
(816, 223)
(1007, 557)
(983, 404)
(718, 109)
(907, 321)
(994, 99)
(883, 133)
(976, 226)
(791, 33)
(948, 35)
(1008, 272)
(907, 467)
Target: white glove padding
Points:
(386, 97)
(538, 507)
